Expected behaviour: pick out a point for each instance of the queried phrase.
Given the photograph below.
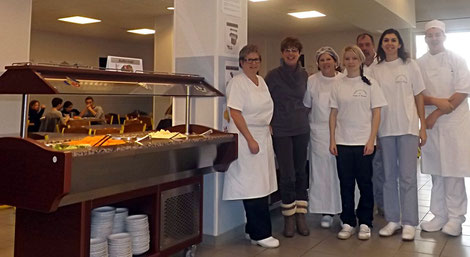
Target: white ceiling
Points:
(265, 18)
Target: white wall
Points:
(47, 47)
(15, 17)
(271, 52)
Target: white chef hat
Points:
(328, 50)
(435, 24)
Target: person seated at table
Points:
(69, 110)
(54, 117)
(36, 110)
(167, 120)
(91, 110)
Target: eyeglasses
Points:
(291, 50)
(253, 60)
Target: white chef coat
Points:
(324, 192)
(355, 100)
(447, 150)
(368, 69)
(251, 175)
(400, 82)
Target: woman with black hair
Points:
(399, 132)
(355, 104)
(36, 110)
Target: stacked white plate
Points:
(98, 247)
(119, 223)
(102, 221)
(138, 227)
(120, 245)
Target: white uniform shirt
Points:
(447, 149)
(355, 100)
(400, 82)
(448, 68)
(317, 98)
(251, 175)
(368, 69)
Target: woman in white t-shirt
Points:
(252, 177)
(399, 133)
(354, 120)
(324, 197)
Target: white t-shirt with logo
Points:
(400, 82)
(355, 100)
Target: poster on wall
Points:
(231, 69)
(232, 7)
(231, 38)
(124, 64)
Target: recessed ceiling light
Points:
(170, 8)
(142, 31)
(258, 1)
(79, 20)
(307, 14)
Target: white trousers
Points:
(449, 198)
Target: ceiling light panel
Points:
(79, 20)
(258, 1)
(307, 14)
(142, 31)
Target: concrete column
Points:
(15, 17)
(163, 60)
(208, 36)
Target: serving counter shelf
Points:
(55, 191)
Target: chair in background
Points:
(132, 121)
(113, 118)
(146, 120)
(76, 130)
(78, 123)
(131, 116)
(105, 131)
(135, 127)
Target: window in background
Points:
(457, 42)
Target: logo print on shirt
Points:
(401, 79)
(360, 93)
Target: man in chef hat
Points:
(447, 151)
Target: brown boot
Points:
(289, 226)
(302, 227)
(288, 211)
(301, 210)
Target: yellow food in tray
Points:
(165, 134)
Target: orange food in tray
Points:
(92, 140)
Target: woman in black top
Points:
(36, 110)
(287, 85)
(68, 109)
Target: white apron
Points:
(324, 191)
(251, 175)
(447, 150)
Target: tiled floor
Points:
(321, 242)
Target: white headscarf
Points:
(328, 50)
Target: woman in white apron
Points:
(324, 197)
(252, 177)
(446, 156)
(400, 134)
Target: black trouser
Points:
(291, 154)
(354, 167)
(258, 219)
